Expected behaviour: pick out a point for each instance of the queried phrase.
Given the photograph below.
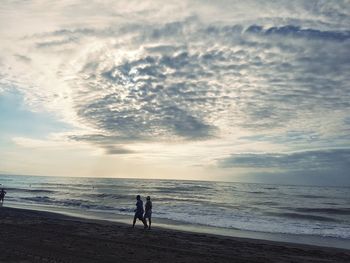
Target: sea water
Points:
(283, 209)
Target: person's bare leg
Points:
(144, 222)
(133, 223)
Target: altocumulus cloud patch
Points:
(188, 81)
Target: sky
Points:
(252, 91)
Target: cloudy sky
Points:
(255, 91)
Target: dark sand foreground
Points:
(31, 236)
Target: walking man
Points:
(139, 212)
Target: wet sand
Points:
(35, 236)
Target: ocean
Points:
(254, 208)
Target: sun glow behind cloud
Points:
(191, 86)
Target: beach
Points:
(37, 236)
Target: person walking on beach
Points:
(2, 195)
(139, 212)
(148, 211)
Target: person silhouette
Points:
(139, 212)
(2, 196)
(148, 211)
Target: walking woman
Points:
(148, 211)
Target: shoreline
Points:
(311, 240)
(40, 236)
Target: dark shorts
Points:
(148, 214)
(139, 215)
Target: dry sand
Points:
(32, 236)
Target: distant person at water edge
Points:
(139, 212)
(2, 196)
(148, 211)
